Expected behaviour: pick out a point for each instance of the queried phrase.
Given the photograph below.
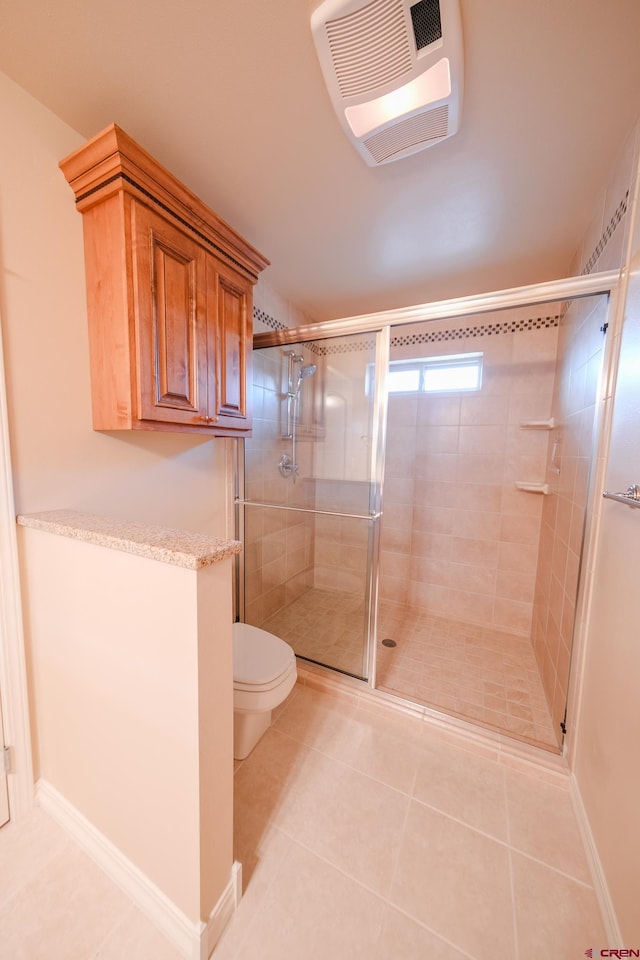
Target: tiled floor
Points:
(364, 835)
(487, 676)
(369, 834)
(55, 904)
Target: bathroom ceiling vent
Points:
(393, 69)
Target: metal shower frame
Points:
(380, 324)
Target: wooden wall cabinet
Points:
(169, 296)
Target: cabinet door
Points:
(171, 336)
(230, 345)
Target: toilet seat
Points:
(261, 661)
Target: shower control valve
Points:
(286, 466)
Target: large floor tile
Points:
(404, 939)
(26, 847)
(316, 719)
(555, 916)
(135, 938)
(388, 749)
(349, 819)
(455, 881)
(311, 911)
(465, 785)
(542, 824)
(63, 913)
(261, 786)
(274, 848)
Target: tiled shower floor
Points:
(481, 674)
(487, 676)
(325, 626)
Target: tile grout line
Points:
(464, 823)
(514, 915)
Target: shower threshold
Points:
(479, 675)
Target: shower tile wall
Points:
(458, 539)
(580, 350)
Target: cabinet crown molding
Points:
(113, 162)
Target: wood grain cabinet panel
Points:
(233, 334)
(169, 296)
(169, 272)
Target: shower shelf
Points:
(538, 424)
(532, 487)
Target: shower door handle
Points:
(631, 497)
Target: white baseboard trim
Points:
(195, 941)
(223, 910)
(601, 889)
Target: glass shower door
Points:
(308, 500)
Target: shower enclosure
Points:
(309, 509)
(460, 596)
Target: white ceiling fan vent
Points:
(410, 135)
(393, 69)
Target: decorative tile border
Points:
(435, 336)
(611, 228)
(488, 330)
(268, 320)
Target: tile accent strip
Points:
(268, 320)
(434, 336)
(488, 330)
(611, 228)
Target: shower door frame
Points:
(380, 324)
(381, 333)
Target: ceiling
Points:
(228, 95)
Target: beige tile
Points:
(260, 788)
(136, 938)
(349, 819)
(383, 748)
(455, 881)
(65, 911)
(274, 848)
(315, 718)
(26, 847)
(404, 939)
(542, 824)
(312, 910)
(555, 916)
(466, 786)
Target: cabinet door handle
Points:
(208, 419)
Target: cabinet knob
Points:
(208, 419)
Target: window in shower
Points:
(433, 374)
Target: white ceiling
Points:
(228, 94)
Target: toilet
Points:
(264, 673)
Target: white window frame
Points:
(424, 365)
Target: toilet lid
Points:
(258, 657)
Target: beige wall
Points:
(58, 460)
(131, 681)
(605, 746)
(172, 480)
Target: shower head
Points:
(303, 373)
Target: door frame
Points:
(13, 675)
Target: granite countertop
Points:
(178, 547)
